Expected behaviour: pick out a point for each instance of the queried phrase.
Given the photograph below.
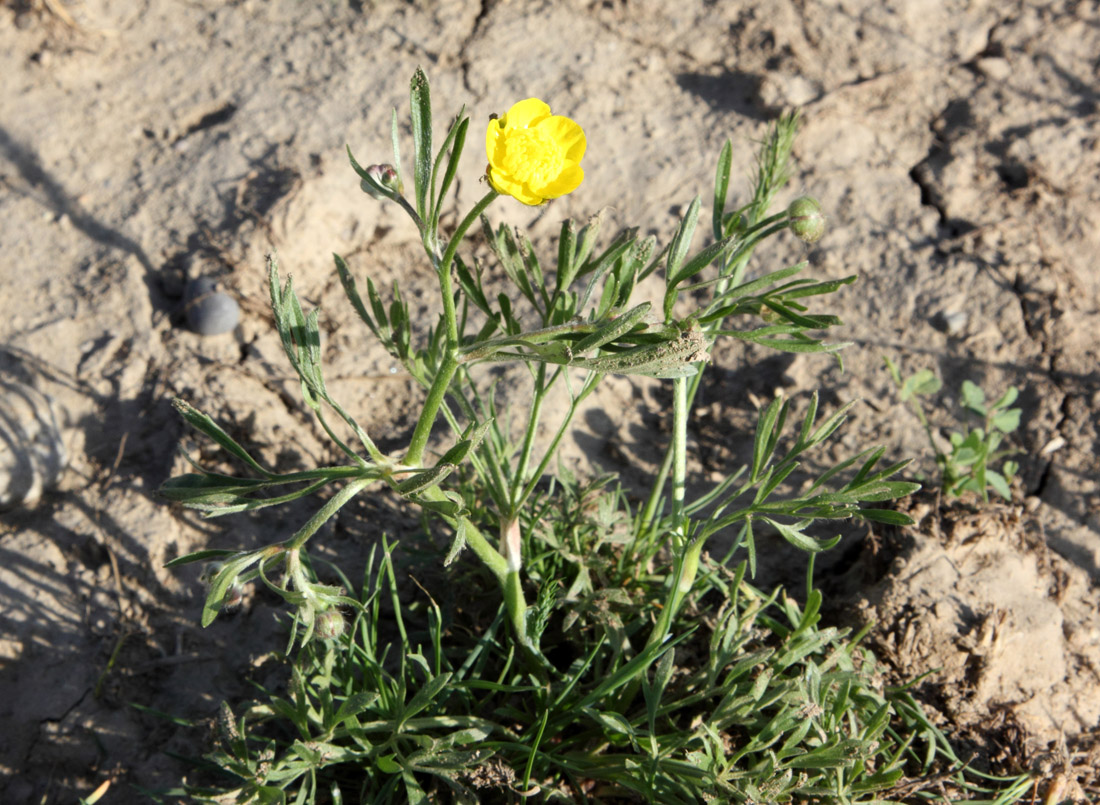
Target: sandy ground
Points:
(954, 145)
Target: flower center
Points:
(531, 156)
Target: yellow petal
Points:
(525, 113)
(494, 139)
(517, 190)
(568, 181)
(567, 134)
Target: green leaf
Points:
(1006, 421)
(793, 534)
(841, 755)
(362, 173)
(922, 383)
(470, 441)
(421, 102)
(808, 420)
(194, 487)
(886, 516)
(413, 790)
(758, 284)
(999, 484)
(811, 322)
(586, 239)
(1007, 398)
(387, 764)
(800, 345)
(222, 582)
(653, 692)
(424, 480)
(973, 397)
(352, 293)
(567, 245)
(964, 456)
(471, 286)
(379, 309)
(800, 289)
(880, 491)
(612, 722)
(396, 142)
(703, 259)
(353, 706)
(204, 424)
(632, 669)
(451, 507)
(618, 327)
(457, 544)
(765, 440)
(425, 696)
(457, 135)
(598, 266)
(270, 795)
(721, 188)
(534, 269)
(677, 252)
(681, 241)
(200, 556)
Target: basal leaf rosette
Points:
(534, 156)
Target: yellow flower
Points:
(534, 155)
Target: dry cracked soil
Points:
(954, 143)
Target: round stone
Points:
(209, 311)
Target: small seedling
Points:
(969, 465)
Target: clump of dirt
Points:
(1007, 631)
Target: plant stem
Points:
(516, 605)
(552, 448)
(680, 404)
(440, 383)
(657, 490)
(753, 236)
(739, 260)
(334, 504)
(685, 563)
(528, 439)
(687, 554)
(442, 380)
(443, 267)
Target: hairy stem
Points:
(334, 504)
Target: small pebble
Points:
(781, 91)
(994, 67)
(951, 322)
(209, 310)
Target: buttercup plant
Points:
(596, 597)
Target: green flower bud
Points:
(807, 220)
(329, 625)
(385, 175)
(234, 593)
(234, 596)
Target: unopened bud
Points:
(385, 175)
(329, 625)
(234, 596)
(234, 593)
(227, 724)
(807, 220)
